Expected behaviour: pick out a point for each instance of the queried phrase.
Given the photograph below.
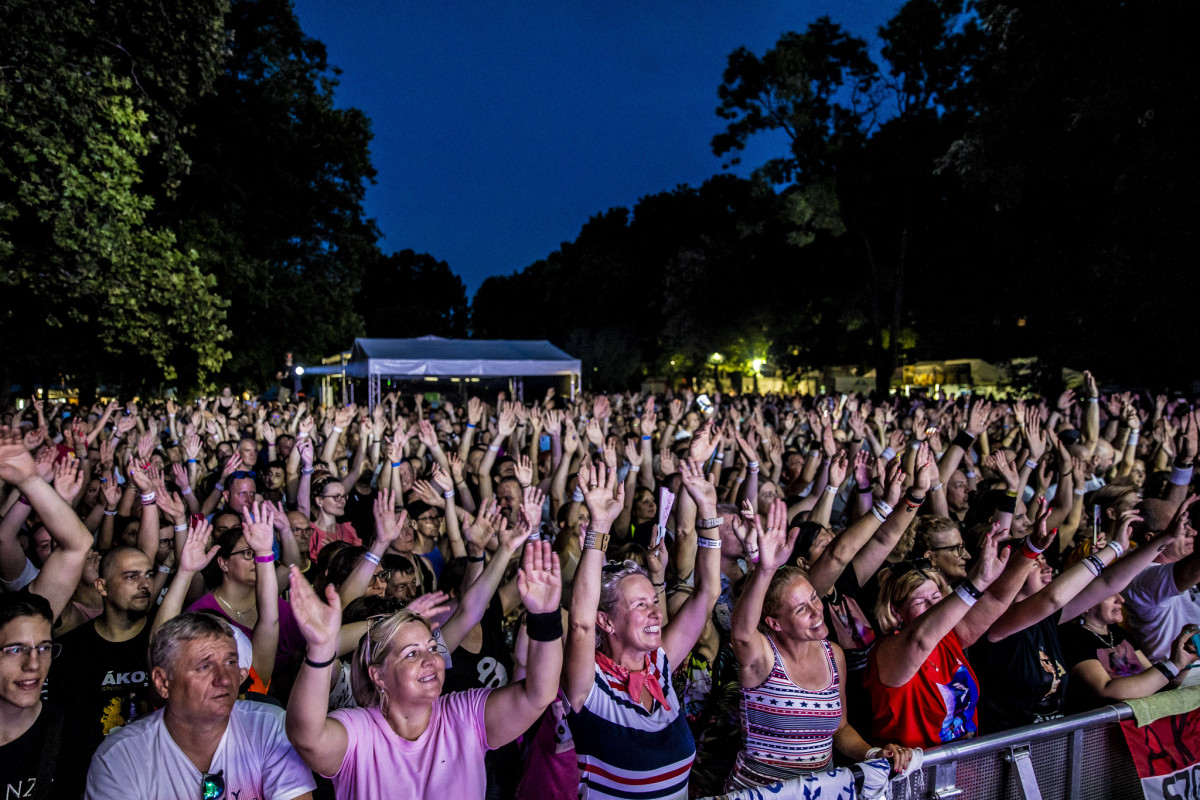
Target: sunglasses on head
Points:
(922, 566)
(239, 474)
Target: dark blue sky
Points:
(501, 127)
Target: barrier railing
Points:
(1073, 758)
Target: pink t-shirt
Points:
(343, 532)
(445, 762)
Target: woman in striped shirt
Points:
(631, 736)
(791, 675)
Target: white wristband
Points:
(303, 434)
(1031, 463)
(1116, 548)
(577, 496)
(1134, 438)
(964, 595)
(635, 468)
(1181, 477)
(711, 544)
(181, 527)
(878, 514)
(831, 489)
(888, 454)
(336, 429)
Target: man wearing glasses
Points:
(102, 671)
(37, 740)
(205, 742)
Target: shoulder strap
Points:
(50, 750)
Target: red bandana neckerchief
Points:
(631, 682)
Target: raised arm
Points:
(848, 545)
(603, 506)
(750, 646)
(319, 740)
(60, 574)
(512, 709)
(688, 623)
(258, 524)
(902, 655)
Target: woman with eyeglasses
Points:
(793, 679)
(630, 731)
(923, 690)
(406, 737)
(328, 504)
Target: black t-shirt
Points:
(1080, 644)
(1022, 678)
(108, 683)
(21, 759)
(492, 666)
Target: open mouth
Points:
(652, 629)
(428, 678)
(31, 685)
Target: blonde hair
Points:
(777, 591)
(373, 648)
(895, 589)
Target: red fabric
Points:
(633, 682)
(344, 532)
(1165, 753)
(937, 705)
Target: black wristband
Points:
(964, 440)
(544, 627)
(970, 588)
(476, 559)
(319, 664)
(1165, 670)
(1007, 504)
(863, 490)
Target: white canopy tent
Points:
(433, 356)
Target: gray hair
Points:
(167, 640)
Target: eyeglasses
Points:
(383, 575)
(959, 549)
(922, 566)
(299, 531)
(212, 786)
(333, 497)
(18, 651)
(245, 553)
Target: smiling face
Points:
(798, 614)
(635, 621)
(413, 670)
(21, 677)
(1038, 578)
(203, 680)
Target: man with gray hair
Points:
(205, 742)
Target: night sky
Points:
(501, 127)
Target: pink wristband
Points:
(264, 559)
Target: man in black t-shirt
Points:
(102, 671)
(38, 752)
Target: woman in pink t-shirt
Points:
(406, 737)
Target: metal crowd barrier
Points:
(1074, 758)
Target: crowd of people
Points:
(608, 596)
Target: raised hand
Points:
(427, 494)
(193, 557)
(925, 477)
(428, 606)
(258, 527)
(231, 466)
(319, 620)
(594, 433)
(604, 496)
(633, 454)
(479, 529)
(443, 481)
(703, 442)
(539, 582)
(776, 542)
(111, 491)
(1007, 472)
(531, 509)
(524, 470)
(862, 467)
(388, 524)
(1125, 527)
(992, 560)
(140, 477)
(171, 505)
(1039, 536)
(701, 491)
(656, 556)
(838, 468)
(68, 479)
(894, 486)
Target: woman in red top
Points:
(923, 691)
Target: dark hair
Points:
(416, 508)
(365, 607)
(106, 563)
(809, 531)
(452, 576)
(396, 563)
(342, 564)
(24, 604)
(321, 485)
(225, 542)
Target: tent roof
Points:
(433, 355)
